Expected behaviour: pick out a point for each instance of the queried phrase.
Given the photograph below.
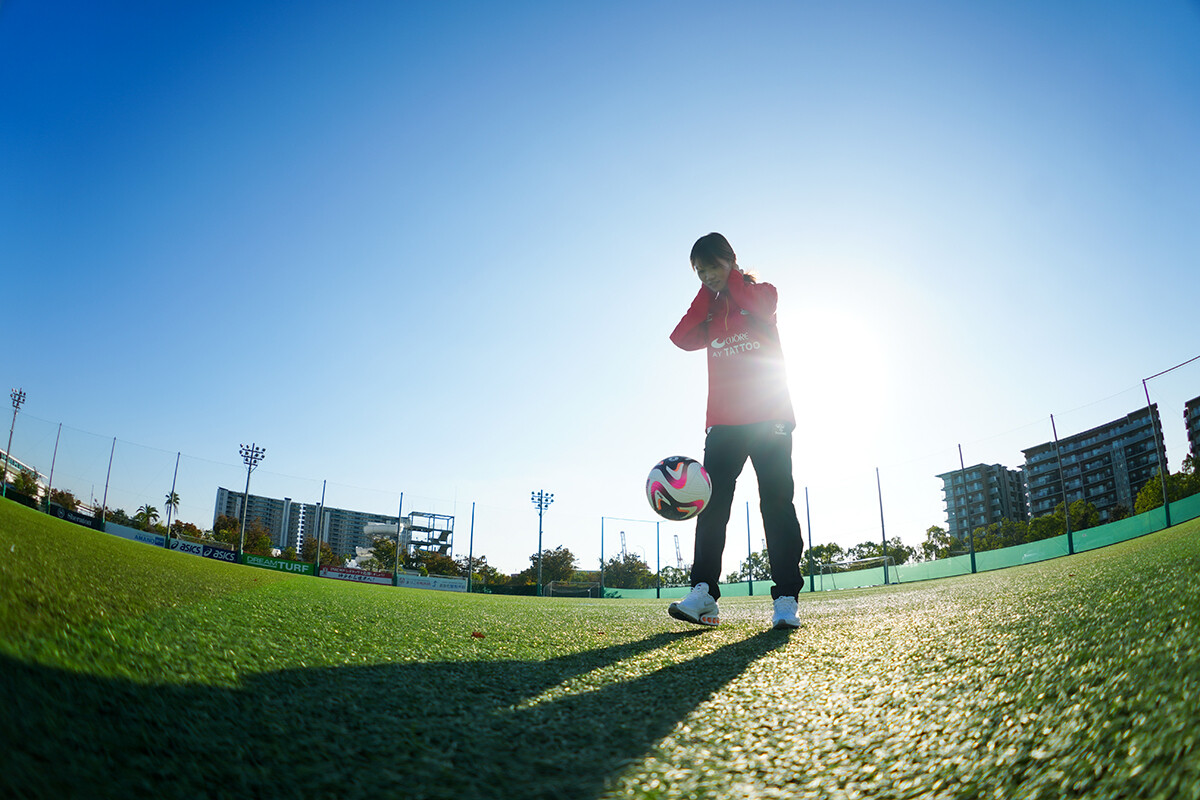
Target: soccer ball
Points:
(678, 488)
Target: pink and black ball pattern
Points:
(678, 488)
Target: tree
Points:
(226, 530)
(1184, 483)
(628, 572)
(478, 569)
(1046, 527)
(756, 566)
(503, 579)
(1005, 533)
(258, 540)
(675, 576)
(1084, 515)
(1150, 496)
(383, 555)
(938, 544)
(171, 505)
(117, 516)
(431, 563)
(864, 550)
(146, 516)
(900, 552)
(897, 550)
(26, 482)
(557, 565)
(987, 537)
(180, 528)
(308, 553)
(825, 554)
(64, 498)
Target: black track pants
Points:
(768, 445)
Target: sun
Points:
(838, 377)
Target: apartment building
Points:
(980, 495)
(280, 517)
(1191, 418)
(344, 530)
(1106, 466)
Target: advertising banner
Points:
(184, 546)
(219, 554)
(358, 575)
(74, 516)
(442, 583)
(278, 564)
(204, 550)
(125, 532)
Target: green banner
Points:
(279, 564)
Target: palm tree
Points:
(172, 505)
(147, 515)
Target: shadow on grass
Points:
(444, 730)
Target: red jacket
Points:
(747, 381)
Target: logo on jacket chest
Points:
(732, 345)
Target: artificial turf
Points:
(133, 671)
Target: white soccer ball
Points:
(678, 488)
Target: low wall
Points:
(985, 561)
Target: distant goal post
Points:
(572, 589)
(886, 564)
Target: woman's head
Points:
(713, 258)
(713, 250)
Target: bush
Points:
(19, 497)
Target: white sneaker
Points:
(698, 607)
(785, 615)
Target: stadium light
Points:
(251, 455)
(541, 499)
(18, 397)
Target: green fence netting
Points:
(1030, 552)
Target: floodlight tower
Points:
(18, 397)
(251, 455)
(541, 499)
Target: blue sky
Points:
(438, 248)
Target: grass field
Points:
(131, 671)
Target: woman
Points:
(749, 416)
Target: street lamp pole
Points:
(251, 454)
(18, 397)
(542, 499)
